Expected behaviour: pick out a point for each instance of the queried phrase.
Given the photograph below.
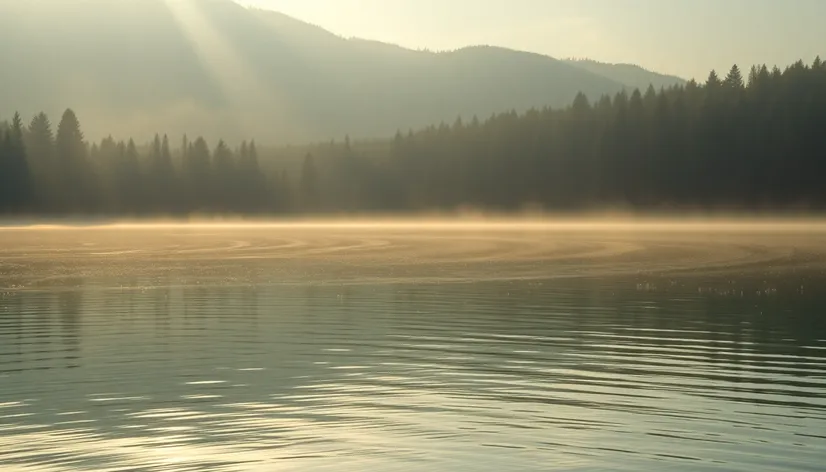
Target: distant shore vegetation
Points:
(745, 140)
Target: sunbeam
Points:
(244, 92)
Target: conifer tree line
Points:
(753, 142)
(56, 173)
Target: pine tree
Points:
(250, 184)
(184, 148)
(754, 76)
(20, 190)
(155, 155)
(162, 175)
(223, 178)
(308, 186)
(650, 99)
(198, 170)
(734, 79)
(581, 105)
(252, 158)
(166, 157)
(6, 175)
(713, 80)
(71, 147)
(72, 166)
(40, 142)
(130, 178)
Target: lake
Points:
(413, 346)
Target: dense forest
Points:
(754, 142)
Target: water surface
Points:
(192, 348)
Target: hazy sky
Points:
(684, 37)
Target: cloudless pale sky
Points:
(683, 37)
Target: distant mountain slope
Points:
(630, 75)
(212, 67)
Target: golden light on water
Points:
(464, 224)
(398, 250)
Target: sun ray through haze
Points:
(238, 81)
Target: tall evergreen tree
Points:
(308, 187)
(130, 180)
(6, 176)
(198, 173)
(162, 176)
(71, 153)
(40, 143)
(734, 79)
(223, 166)
(17, 185)
(713, 81)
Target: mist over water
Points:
(413, 345)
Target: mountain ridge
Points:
(632, 75)
(133, 67)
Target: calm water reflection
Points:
(622, 372)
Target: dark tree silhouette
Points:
(15, 178)
(74, 179)
(309, 184)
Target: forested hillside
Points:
(753, 142)
(215, 68)
(630, 75)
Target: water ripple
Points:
(201, 363)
